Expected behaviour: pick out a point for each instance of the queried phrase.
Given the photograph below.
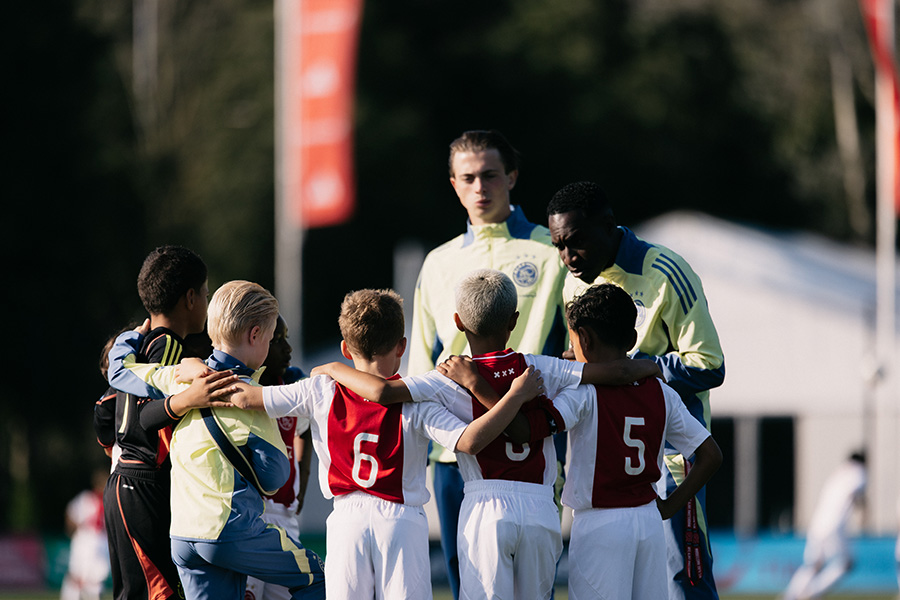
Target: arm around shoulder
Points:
(371, 387)
(121, 364)
(212, 389)
(483, 430)
(247, 397)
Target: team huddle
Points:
(511, 362)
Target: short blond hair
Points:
(237, 307)
(372, 322)
(486, 300)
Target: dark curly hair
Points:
(585, 196)
(167, 274)
(608, 311)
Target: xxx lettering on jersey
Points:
(365, 441)
(502, 459)
(631, 422)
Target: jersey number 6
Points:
(359, 457)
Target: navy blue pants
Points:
(219, 570)
(448, 495)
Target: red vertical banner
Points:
(318, 71)
(880, 30)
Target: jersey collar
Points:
(495, 354)
(222, 361)
(515, 226)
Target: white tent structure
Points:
(796, 317)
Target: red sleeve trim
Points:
(105, 399)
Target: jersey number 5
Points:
(634, 443)
(513, 454)
(359, 457)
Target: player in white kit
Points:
(509, 533)
(372, 457)
(88, 553)
(617, 434)
(827, 557)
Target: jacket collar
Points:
(222, 361)
(515, 226)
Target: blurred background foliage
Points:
(121, 137)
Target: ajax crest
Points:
(525, 274)
(641, 313)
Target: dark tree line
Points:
(115, 145)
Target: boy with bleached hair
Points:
(224, 459)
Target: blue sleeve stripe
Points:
(681, 275)
(685, 292)
(678, 289)
(689, 290)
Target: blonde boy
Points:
(223, 459)
(372, 458)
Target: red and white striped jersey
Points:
(364, 446)
(617, 436)
(501, 459)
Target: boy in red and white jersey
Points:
(509, 535)
(617, 434)
(373, 457)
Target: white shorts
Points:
(509, 540)
(281, 515)
(617, 553)
(376, 549)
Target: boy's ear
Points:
(513, 320)
(253, 335)
(345, 350)
(401, 346)
(585, 339)
(189, 298)
(633, 340)
(458, 321)
(513, 177)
